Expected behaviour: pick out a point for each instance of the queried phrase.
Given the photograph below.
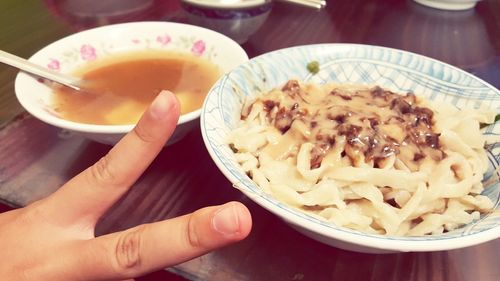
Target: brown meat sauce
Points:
(376, 123)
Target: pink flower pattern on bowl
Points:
(164, 39)
(54, 65)
(198, 48)
(72, 53)
(87, 52)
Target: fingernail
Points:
(226, 220)
(161, 105)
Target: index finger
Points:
(89, 195)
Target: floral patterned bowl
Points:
(72, 52)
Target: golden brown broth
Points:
(122, 86)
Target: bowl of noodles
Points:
(360, 147)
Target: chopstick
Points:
(318, 4)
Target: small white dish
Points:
(74, 51)
(453, 5)
(227, 4)
(393, 69)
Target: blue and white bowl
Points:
(390, 68)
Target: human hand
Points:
(53, 239)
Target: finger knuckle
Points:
(144, 134)
(127, 254)
(193, 239)
(102, 171)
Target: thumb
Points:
(155, 246)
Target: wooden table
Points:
(37, 158)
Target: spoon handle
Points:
(318, 4)
(38, 70)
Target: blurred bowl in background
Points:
(238, 19)
(449, 4)
(104, 8)
(80, 15)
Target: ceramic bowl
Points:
(74, 51)
(352, 64)
(236, 19)
(454, 5)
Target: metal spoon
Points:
(40, 71)
(318, 4)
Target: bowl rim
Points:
(110, 129)
(226, 4)
(323, 228)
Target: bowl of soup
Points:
(126, 66)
